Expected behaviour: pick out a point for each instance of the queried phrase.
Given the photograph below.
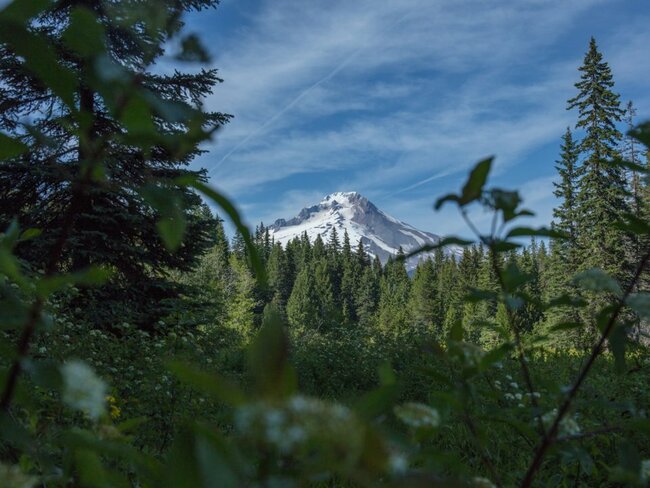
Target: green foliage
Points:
(458, 376)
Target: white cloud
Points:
(395, 95)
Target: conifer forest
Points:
(150, 338)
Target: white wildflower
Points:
(514, 385)
(418, 415)
(518, 396)
(83, 390)
(397, 463)
(13, 477)
(298, 403)
(568, 425)
(42, 350)
(644, 475)
(479, 482)
(509, 396)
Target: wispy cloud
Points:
(396, 98)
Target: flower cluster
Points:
(480, 482)
(83, 390)
(13, 477)
(301, 423)
(418, 415)
(568, 425)
(644, 475)
(514, 394)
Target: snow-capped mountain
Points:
(381, 234)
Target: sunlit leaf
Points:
(597, 280)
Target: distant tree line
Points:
(333, 283)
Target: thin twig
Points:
(548, 439)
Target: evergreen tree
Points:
(601, 196)
(221, 240)
(351, 271)
(565, 214)
(115, 225)
(638, 204)
(243, 307)
(394, 295)
(367, 297)
(238, 246)
(279, 276)
(361, 255)
(302, 306)
(424, 297)
(329, 314)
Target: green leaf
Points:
(445, 242)
(21, 11)
(505, 201)
(168, 202)
(499, 246)
(209, 383)
(45, 373)
(642, 134)
(456, 331)
(597, 280)
(268, 357)
(84, 35)
(192, 50)
(566, 326)
(93, 276)
(30, 234)
(10, 147)
(136, 117)
(172, 231)
(233, 214)
(633, 225)
(495, 355)
(539, 232)
(377, 402)
(451, 197)
(640, 303)
(617, 341)
(200, 457)
(41, 59)
(473, 188)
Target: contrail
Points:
(287, 108)
(297, 99)
(421, 182)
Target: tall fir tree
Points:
(602, 195)
(394, 296)
(565, 214)
(423, 299)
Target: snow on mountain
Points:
(381, 234)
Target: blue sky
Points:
(397, 99)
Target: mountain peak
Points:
(351, 212)
(345, 198)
